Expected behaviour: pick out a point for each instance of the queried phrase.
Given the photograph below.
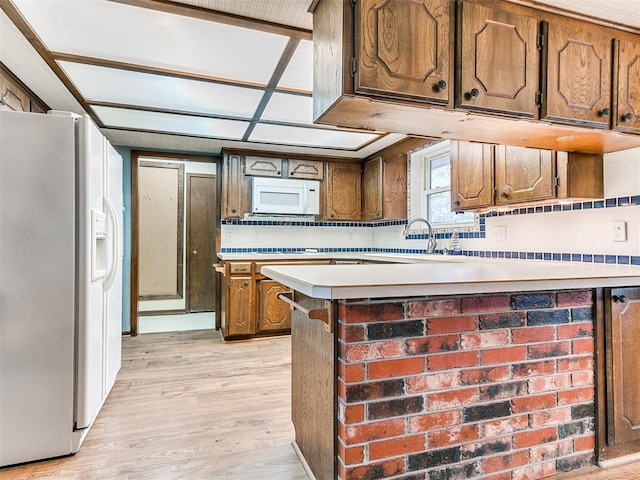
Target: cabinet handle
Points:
(619, 299)
(473, 93)
(604, 112)
(627, 116)
(440, 86)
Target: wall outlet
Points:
(619, 231)
(500, 233)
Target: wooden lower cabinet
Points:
(619, 374)
(273, 313)
(249, 305)
(239, 319)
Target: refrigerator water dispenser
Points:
(98, 245)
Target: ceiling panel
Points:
(118, 86)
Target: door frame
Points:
(135, 231)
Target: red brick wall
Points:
(497, 387)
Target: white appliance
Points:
(60, 281)
(285, 196)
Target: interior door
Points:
(201, 248)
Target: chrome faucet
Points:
(431, 241)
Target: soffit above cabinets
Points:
(198, 74)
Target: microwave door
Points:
(282, 200)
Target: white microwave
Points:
(285, 196)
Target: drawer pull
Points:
(321, 314)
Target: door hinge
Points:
(539, 98)
(353, 67)
(557, 182)
(540, 41)
(353, 3)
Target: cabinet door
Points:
(403, 48)
(523, 174)
(273, 313)
(235, 188)
(499, 61)
(372, 189)
(12, 97)
(471, 175)
(628, 71)
(239, 313)
(307, 169)
(624, 371)
(342, 184)
(578, 79)
(263, 166)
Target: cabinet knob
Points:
(504, 194)
(619, 299)
(331, 215)
(233, 210)
(245, 283)
(604, 112)
(194, 253)
(278, 172)
(456, 203)
(627, 116)
(473, 93)
(440, 86)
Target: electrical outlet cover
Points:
(619, 231)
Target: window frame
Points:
(419, 175)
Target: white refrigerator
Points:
(60, 281)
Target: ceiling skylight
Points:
(289, 108)
(310, 136)
(299, 72)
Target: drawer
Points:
(240, 268)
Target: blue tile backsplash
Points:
(618, 202)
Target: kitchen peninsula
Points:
(460, 367)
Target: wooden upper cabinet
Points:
(578, 77)
(372, 189)
(523, 174)
(236, 200)
(403, 49)
(627, 118)
(342, 191)
(499, 61)
(471, 175)
(307, 169)
(263, 166)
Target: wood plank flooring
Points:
(187, 405)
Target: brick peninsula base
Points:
(494, 387)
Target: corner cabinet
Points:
(342, 191)
(404, 49)
(485, 176)
(499, 61)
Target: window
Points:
(430, 189)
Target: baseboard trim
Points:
(618, 461)
(303, 461)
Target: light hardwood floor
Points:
(187, 405)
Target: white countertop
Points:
(446, 275)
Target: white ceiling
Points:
(174, 77)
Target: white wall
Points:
(569, 232)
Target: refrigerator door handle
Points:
(108, 281)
